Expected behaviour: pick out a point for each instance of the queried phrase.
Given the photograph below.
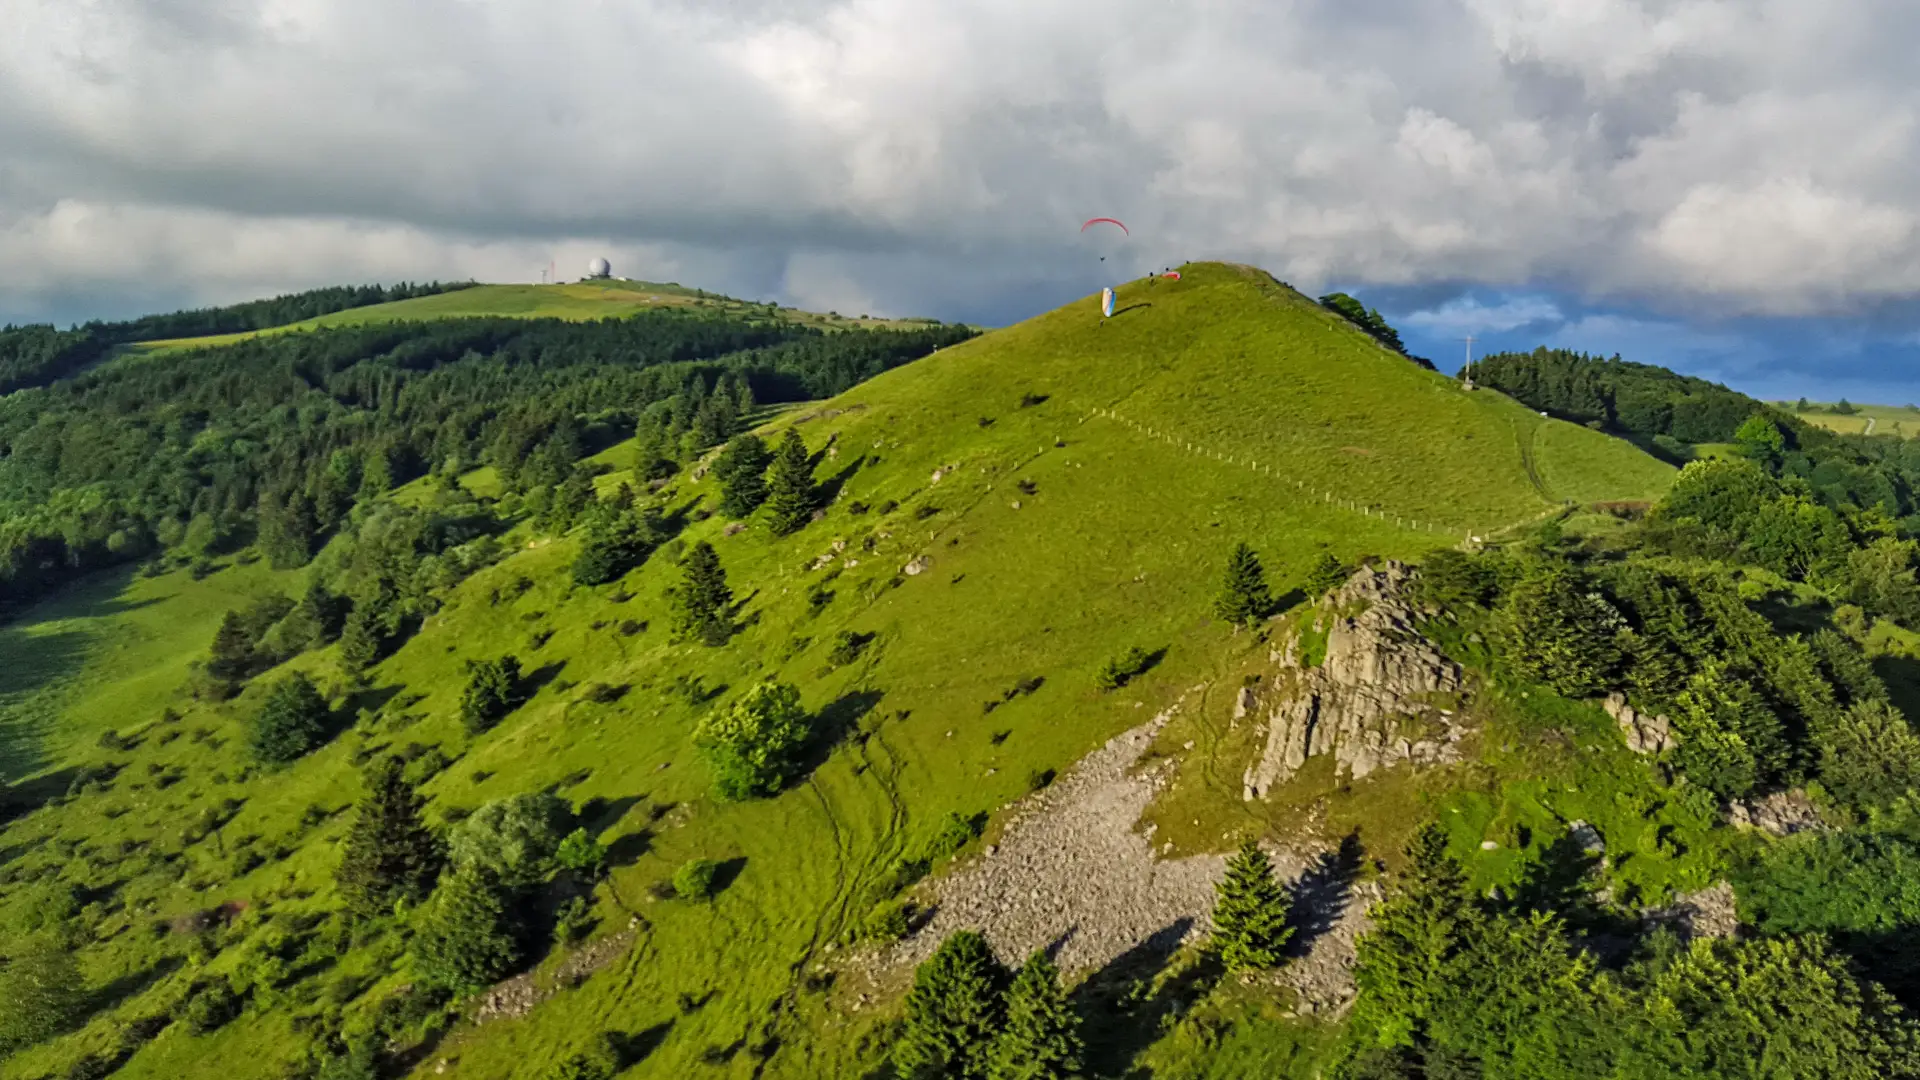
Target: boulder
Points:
(1644, 734)
(1782, 813)
(917, 566)
(1370, 702)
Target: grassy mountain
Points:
(1007, 516)
(576, 301)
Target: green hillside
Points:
(1011, 512)
(1901, 420)
(575, 301)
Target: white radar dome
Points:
(599, 268)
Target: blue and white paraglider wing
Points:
(1106, 302)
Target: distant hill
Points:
(1846, 418)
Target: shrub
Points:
(515, 840)
(491, 692)
(1326, 573)
(694, 879)
(1124, 668)
(211, 1007)
(955, 833)
(847, 647)
(600, 1061)
(754, 744)
(582, 855)
(573, 921)
(888, 921)
(465, 940)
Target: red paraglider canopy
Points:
(1108, 220)
(1171, 275)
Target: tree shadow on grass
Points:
(1126, 1002)
(536, 680)
(829, 489)
(599, 814)
(637, 1046)
(833, 723)
(726, 873)
(133, 983)
(627, 848)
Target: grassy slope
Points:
(578, 301)
(1117, 544)
(1888, 419)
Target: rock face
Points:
(1644, 734)
(1369, 703)
(1782, 813)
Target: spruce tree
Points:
(1244, 599)
(491, 692)
(1419, 941)
(953, 1012)
(464, 939)
(360, 640)
(292, 722)
(1250, 912)
(703, 603)
(1325, 574)
(742, 471)
(1041, 1037)
(314, 621)
(790, 494)
(390, 855)
(231, 660)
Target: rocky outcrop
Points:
(1370, 702)
(1644, 734)
(1711, 912)
(1782, 813)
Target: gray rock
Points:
(1369, 703)
(1644, 734)
(1782, 813)
(917, 566)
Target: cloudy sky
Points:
(1725, 186)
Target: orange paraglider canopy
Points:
(1108, 220)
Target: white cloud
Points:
(1470, 316)
(1728, 156)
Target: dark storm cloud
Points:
(1689, 159)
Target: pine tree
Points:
(1325, 574)
(360, 640)
(953, 1012)
(570, 499)
(1244, 599)
(703, 603)
(1040, 1039)
(742, 471)
(464, 940)
(390, 854)
(1250, 912)
(790, 494)
(292, 722)
(313, 622)
(1419, 938)
(232, 656)
(616, 541)
(286, 531)
(491, 692)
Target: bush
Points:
(211, 1008)
(1124, 668)
(573, 921)
(955, 833)
(516, 840)
(754, 745)
(600, 1061)
(694, 879)
(582, 855)
(888, 921)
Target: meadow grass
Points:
(1055, 537)
(1902, 420)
